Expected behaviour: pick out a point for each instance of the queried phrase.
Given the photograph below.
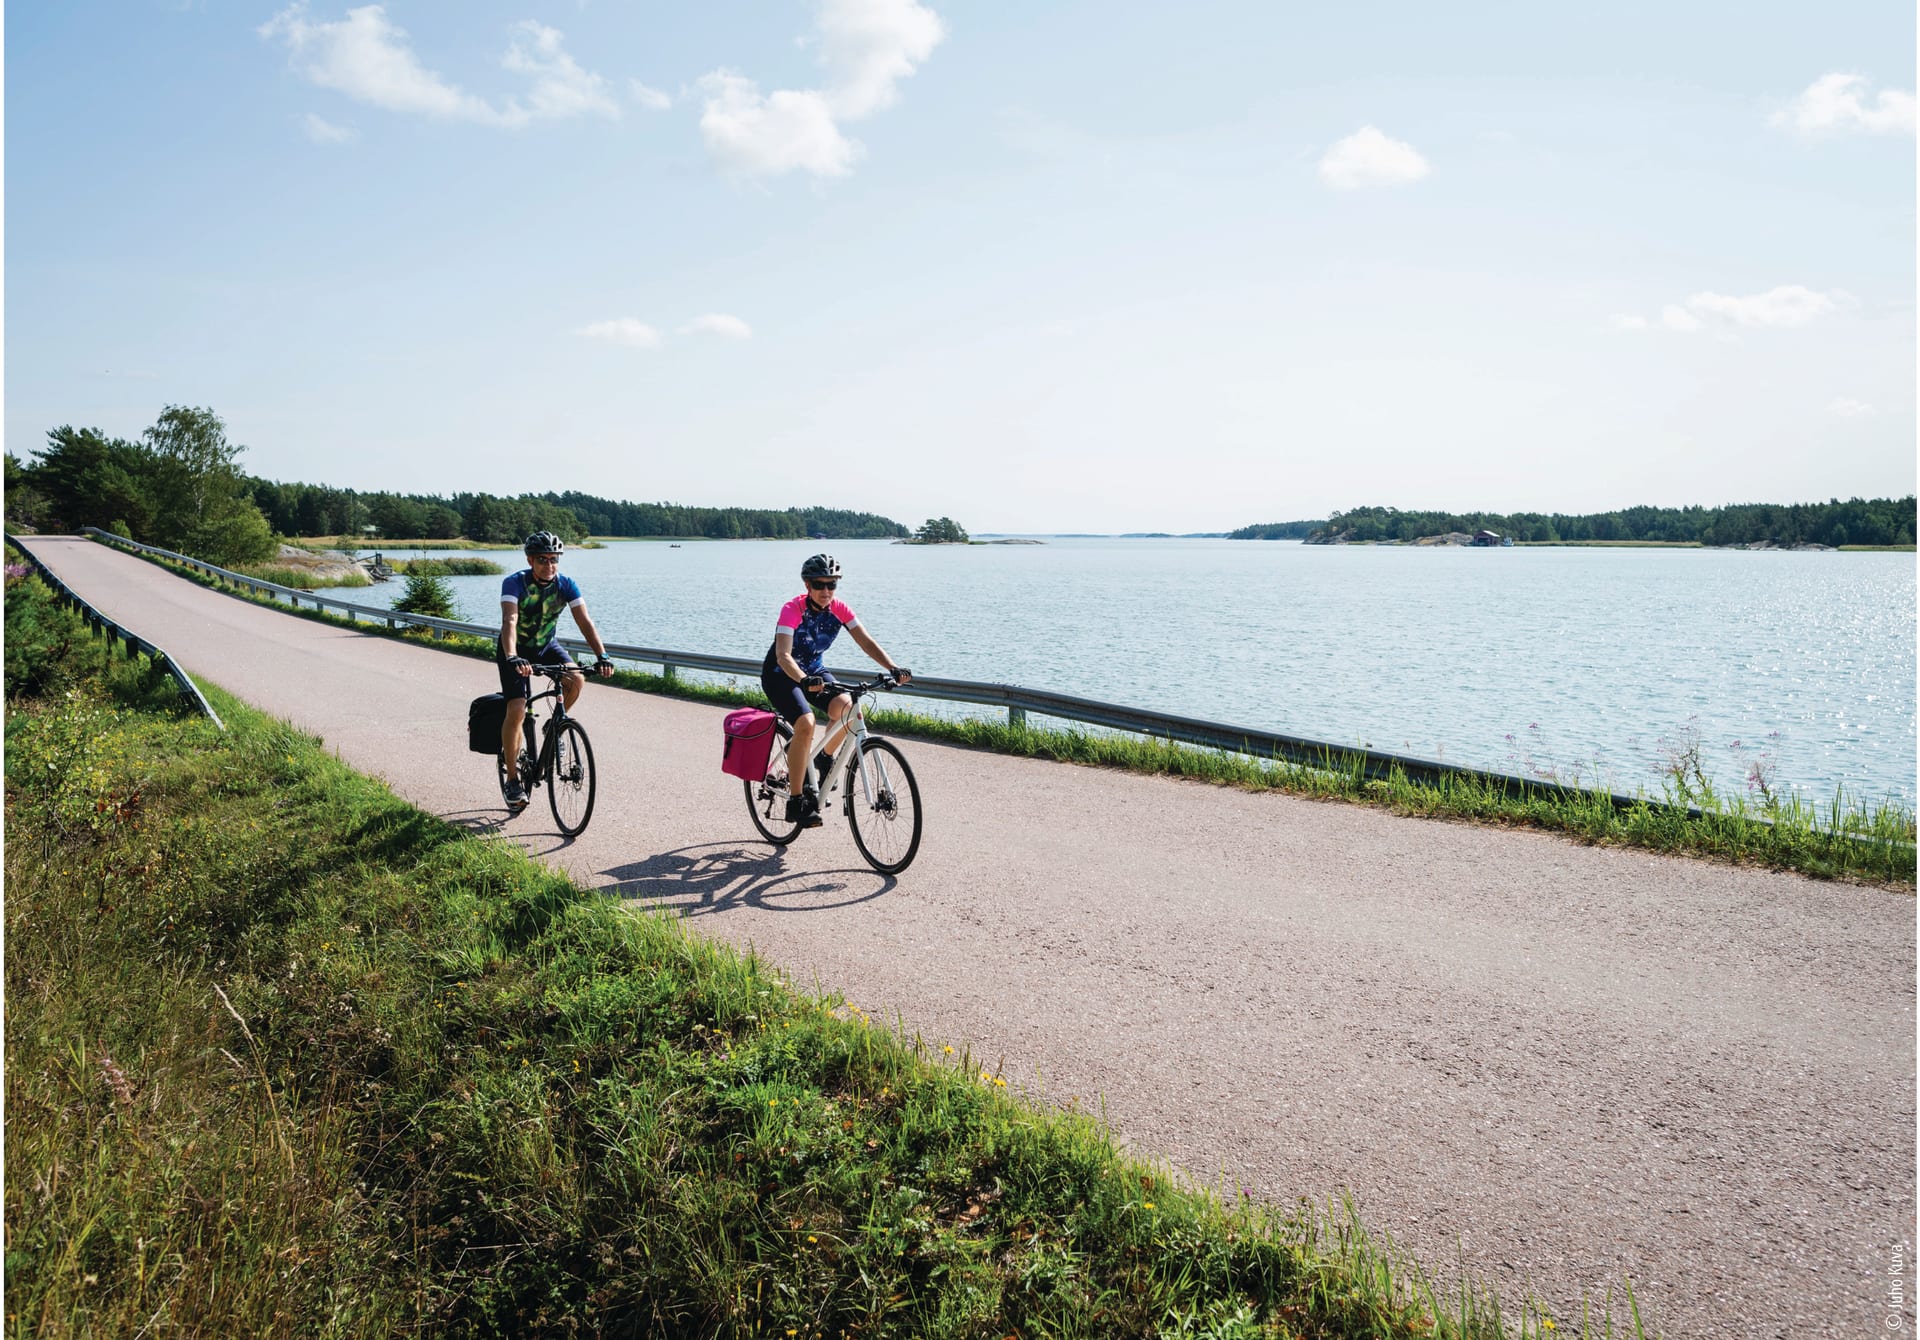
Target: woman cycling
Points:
(795, 683)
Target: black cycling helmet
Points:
(821, 565)
(544, 542)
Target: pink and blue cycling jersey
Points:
(813, 631)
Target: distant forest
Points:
(1856, 521)
(319, 509)
(1277, 530)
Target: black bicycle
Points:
(563, 761)
(882, 798)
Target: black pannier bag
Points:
(486, 717)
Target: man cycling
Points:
(795, 683)
(530, 605)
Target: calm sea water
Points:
(1595, 663)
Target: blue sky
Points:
(1038, 267)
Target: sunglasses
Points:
(824, 586)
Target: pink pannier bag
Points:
(749, 744)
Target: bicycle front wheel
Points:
(883, 803)
(570, 784)
(767, 798)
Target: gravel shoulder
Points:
(1566, 1065)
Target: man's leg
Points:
(510, 734)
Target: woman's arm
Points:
(783, 653)
(872, 648)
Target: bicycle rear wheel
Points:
(767, 798)
(570, 783)
(883, 803)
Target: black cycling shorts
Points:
(516, 685)
(792, 700)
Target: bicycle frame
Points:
(548, 731)
(856, 731)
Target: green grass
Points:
(303, 579)
(287, 1057)
(1835, 838)
(448, 567)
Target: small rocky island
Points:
(945, 530)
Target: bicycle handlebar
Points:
(556, 672)
(882, 682)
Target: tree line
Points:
(179, 486)
(1876, 521)
(321, 509)
(604, 516)
(1277, 530)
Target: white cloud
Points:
(1369, 158)
(322, 131)
(719, 323)
(1788, 305)
(867, 48)
(1675, 317)
(650, 98)
(1846, 407)
(368, 59)
(1776, 309)
(1836, 104)
(560, 87)
(623, 330)
(755, 135)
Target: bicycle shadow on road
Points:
(477, 823)
(717, 877)
(491, 824)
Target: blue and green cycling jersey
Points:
(540, 607)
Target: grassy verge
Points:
(1840, 839)
(287, 1057)
(303, 578)
(448, 567)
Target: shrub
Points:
(426, 594)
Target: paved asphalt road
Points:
(1568, 1065)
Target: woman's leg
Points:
(836, 723)
(800, 753)
(789, 700)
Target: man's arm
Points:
(509, 626)
(592, 635)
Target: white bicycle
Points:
(882, 799)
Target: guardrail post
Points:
(670, 672)
(1017, 717)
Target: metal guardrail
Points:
(1018, 701)
(115, 633)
